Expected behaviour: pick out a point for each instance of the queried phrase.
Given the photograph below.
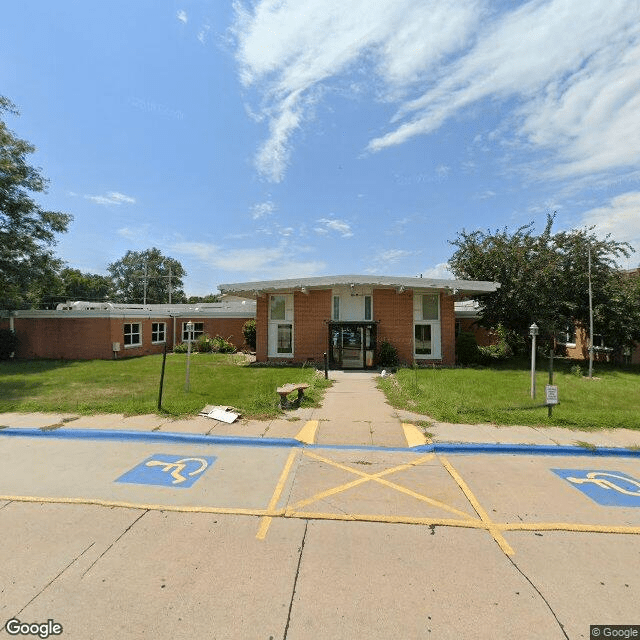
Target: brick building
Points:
(348, 317)
(88, 331)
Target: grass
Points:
(131, 386)
(500, 395)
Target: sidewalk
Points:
(354, 412)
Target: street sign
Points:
(168, 470)
(608, 488)
(551, 393)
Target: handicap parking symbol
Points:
(609, 488)
(168, 470)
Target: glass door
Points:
(352, 348)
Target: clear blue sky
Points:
(264, 139)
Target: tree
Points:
(544, 279)
(210, 297)
(75, 285)
(27, 231)
(163, 276)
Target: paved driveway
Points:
(128, 539)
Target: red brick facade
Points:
(392, 311)
(92, 338)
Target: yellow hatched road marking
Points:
(494, 530)
(265, 522)
(308, 433)
(376, 477)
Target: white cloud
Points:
(203, 33)
(113, 197)
(579, 96)
(182, 16)
(262, 209)
(570, 67)
(258, 263)
(439, 272)
(288, 48)
(332, 224)
(620, 218)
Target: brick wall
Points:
(311, 313)
(91, 338)
(448, 328)
(262, 327)
(394, 313)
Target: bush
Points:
(249, 332)
(387, 355)
(180, 348)
(204, 344)
(8, 343)
(220, 345)
(500, 351)
(467, 351)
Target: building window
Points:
(367, 308)
(132, 334)
(426, 326)
(430, 307)
(278, 307)
(285, 341)
(567, 337)
(423, 339)
(280, 335)
(158, 332)
(198, 330)
(336, 307)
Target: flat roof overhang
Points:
(255, 289)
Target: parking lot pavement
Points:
(174, 539)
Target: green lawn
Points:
(501, 395)
(131, 386)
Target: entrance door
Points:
(352, 348)
(352, 345)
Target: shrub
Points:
(8, 343)
(249, 332)
(220, 345)
(387, 355)
(204, 344)
(467, 351)
(502, 350)
(180, 348)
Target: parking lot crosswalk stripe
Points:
(569, 526)
(484, 516)
(308, 433)
(413, 435)
(265, 522)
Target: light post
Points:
(189, 327)
(533, 332)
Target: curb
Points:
(193, 438)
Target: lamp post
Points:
(533, 332)
(189, 327)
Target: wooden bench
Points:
(286, 389)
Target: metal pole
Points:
(164, 360)
(551, 354)
(326, 366)
(187, 384)
(533, 366)
(590, 320)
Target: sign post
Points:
(189, 327)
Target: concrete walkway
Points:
(354, 412)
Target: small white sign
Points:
(551, 392)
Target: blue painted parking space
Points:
(168, 470)
(608, 488)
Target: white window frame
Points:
(436, 334)
(196, 332)
(276, 323)
(160, 329)
(131, 332)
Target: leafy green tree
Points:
(210, 297)
(163, 276)
(27, 232)
(75, 285)
(544, 279)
